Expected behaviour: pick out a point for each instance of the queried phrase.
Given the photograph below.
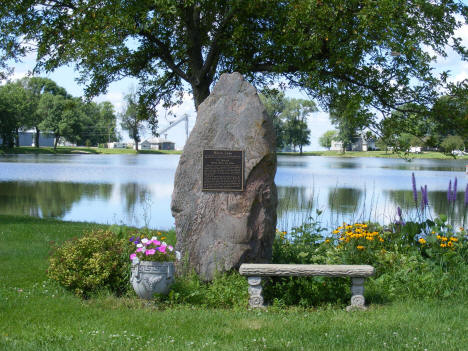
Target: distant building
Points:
(161, 144)
(26, 138)
(145, 145)
(116, 145)
(357, 144)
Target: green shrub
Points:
(226, 290)
(98, 260)
(451, 143)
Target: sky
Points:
(318, 122)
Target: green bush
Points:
(225, 290)
(98, 260)
(451, 143)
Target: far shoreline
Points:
(63, 150)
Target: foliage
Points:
(154, 249)
(98, 260)
(326, 139)
(13, 105)
(132, 118)
(452, 143)
(369, 50)
(225, 290)
(289, 118)
(412, 259)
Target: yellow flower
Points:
(360, 247)
(438, 236)
(444, 238)
(163, 238)
(381, 239)
(422, 241)
(336, 231)
(450, 244)
(369, 238)
(327, 240)
(443, 245)
(453, 239)
(342, 238)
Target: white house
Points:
(116, 145)
(161, 144)
(144, 145)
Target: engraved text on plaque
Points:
(223, 170)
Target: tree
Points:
(13, 107)
(36, 87)
(326, 139)
(350, 115)
(378, 51)
(452, 143)
(275, 103)
(98, 124)
(289, 118)
(132, 120)
(61, 116)
(296, 132)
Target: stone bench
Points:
(255, 272)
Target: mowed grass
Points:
(81, 150)
(379, 154)
(36, 314)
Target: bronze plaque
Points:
(223, 170)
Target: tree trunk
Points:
(136, 144)
(200, 92)
(56, 141)
(17, 137)
(300, 150)
(36, 137)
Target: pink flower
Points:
(162, 249)
(150, 252)
(140, 249)
(170, 247)
(156, 242)
(133, 256)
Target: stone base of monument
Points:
(255, 272)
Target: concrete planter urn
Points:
(152, 277)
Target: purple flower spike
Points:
(425, 199)
(415, 192)
(454, 192)
(449, 191)
(466, 195)
(423, 203)
(399, 209)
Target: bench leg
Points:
(357, 294)
(255, 292)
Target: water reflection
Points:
(47, 199)
(344, 200)
(136, 189)
(291, 198)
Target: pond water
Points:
(136, 189)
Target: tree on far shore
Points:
(326, 139)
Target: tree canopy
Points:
(289, 118)
(41, 104)
(379, 52)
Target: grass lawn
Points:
(81, 150)
(96, 150)
(426, 154)
(36, 314)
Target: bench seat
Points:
(254, 272)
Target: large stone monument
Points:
(224, 199)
